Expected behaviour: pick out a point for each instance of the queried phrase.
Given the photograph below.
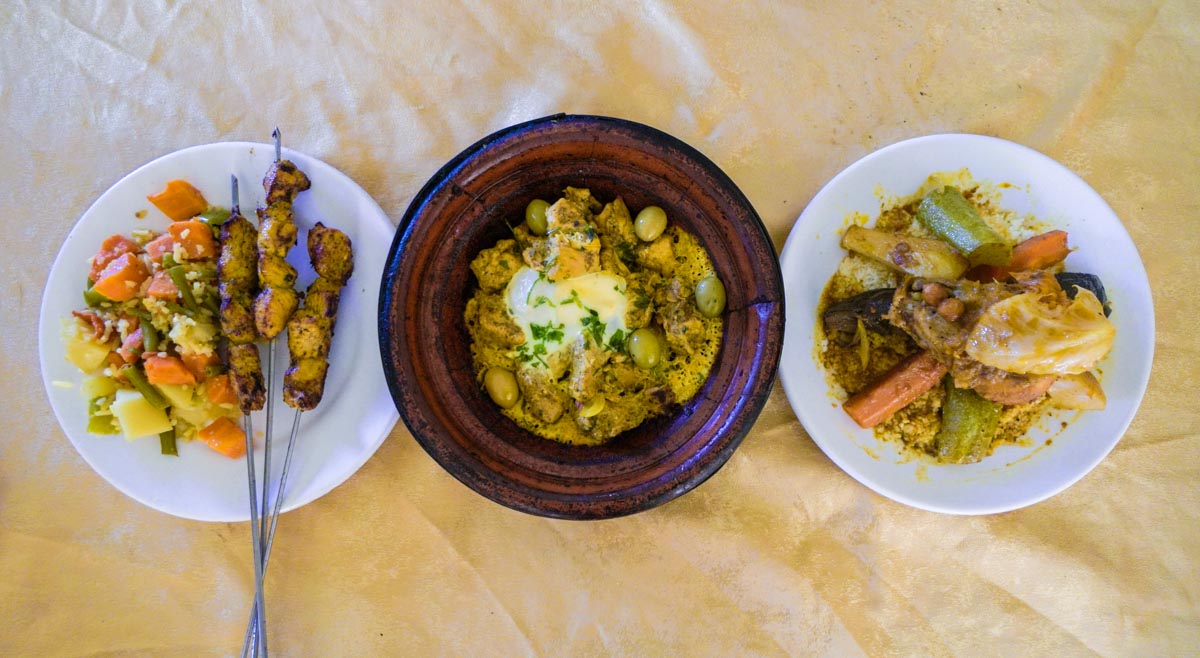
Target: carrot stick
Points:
(179, 200)
(1040, 251)
(898, 387)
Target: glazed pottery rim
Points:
(695, 457)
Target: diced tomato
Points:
(167, 370)
(162, 287)
(122, 278)
(163, 244)
(112, 247)
(195, 238)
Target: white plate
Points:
(1014, 476)
(336, 438)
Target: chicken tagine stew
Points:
(589, 320)
(951, 326)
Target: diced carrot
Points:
(224, 436)
(132, 347)
(122, 278)
(898, 387)
(198, 364)
(1040, 251)
(163, 244)
(112, 247)
(195, 238)
(167, 370)
(220, 390)
(162, 287)
(179, 200)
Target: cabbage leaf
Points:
(1038, 334)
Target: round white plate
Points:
(335, 439)
(1014, 476)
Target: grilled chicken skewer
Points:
(238, 283)
(310, 330)
(238, 280)
(276, 301)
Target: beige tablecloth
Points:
(780, 552)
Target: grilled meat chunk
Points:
(272, 308)
(276, 229)
(245, 372)
(237, 314)
(239, 254)
(331, 254)
(544, 401)
(284, 181)
(310, 330)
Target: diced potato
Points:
(98, 386)
(181, 396)
(138, 417)
(81, 349)
(201, 414)
(916, 256)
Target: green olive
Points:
(710, 296)
(501, 385)
(645, 347)
(535, 217)
(650, 223)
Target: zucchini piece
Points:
(952, 218)
(100, 419)
(968, 425)
(921, 257)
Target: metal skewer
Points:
(248, 428)
(251, 628)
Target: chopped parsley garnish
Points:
(547, 332)
(593, 327)
(543, 300)
(616, 342)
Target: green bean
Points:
(501, 386)
(645, 347)
(149, 335)
(968, 425)
(168, 261)
(179, 276)
(176, 309)
(166, 443)
(214, 370)
(650, 223)
(535, 217)
(952, 218)
(143, 386)
(710, 296)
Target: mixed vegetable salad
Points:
(147, 340)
